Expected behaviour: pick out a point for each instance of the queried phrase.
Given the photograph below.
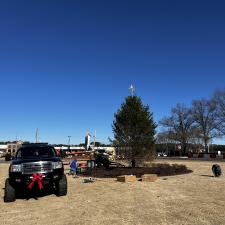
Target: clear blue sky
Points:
(65, 66)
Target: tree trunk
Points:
(133, 162)
(184, 148)
(206, 144)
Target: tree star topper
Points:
(132, 89)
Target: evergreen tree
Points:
(134, 130)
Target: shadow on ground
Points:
(162, 169)
(34, 193)
(206, 175)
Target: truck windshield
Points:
(35, 152)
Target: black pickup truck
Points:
(35, 166)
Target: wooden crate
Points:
(149, 177)
(127, 178)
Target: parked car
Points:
(161, 154)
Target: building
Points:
(12, 147)
(3, 150)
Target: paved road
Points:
(3, 161)
(192, 159)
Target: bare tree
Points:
(179, 125)
(219, 98)
(167, 139)
(204, 114)
(163, 139)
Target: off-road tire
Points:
(10, 192)
(61, 186)
(216, 169)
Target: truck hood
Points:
(19, 161)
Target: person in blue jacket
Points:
(73, 167)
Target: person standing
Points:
(73, 168)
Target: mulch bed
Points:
(162, 169)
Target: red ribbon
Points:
(37, 177)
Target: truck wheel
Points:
(216, 170)
(61, 187)
(10, 193)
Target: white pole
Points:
(36, 135)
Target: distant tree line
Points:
(194, 128)
(96, 144)
(4, 142)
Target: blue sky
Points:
(65, 66)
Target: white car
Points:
(161, 154)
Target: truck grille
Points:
(37, 167)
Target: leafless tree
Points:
(179, 125)
(219, 98)
(204, 114)
(163, 139)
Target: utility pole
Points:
(69, 143)
(94, 138)
(36, 135)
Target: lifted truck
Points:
(35, 165)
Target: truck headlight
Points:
(15, 168)
(57, 165)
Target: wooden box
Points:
(149, 177)
(127, 178)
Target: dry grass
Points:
(192, 198)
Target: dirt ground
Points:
(192, 198)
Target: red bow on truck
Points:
(37, 177)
